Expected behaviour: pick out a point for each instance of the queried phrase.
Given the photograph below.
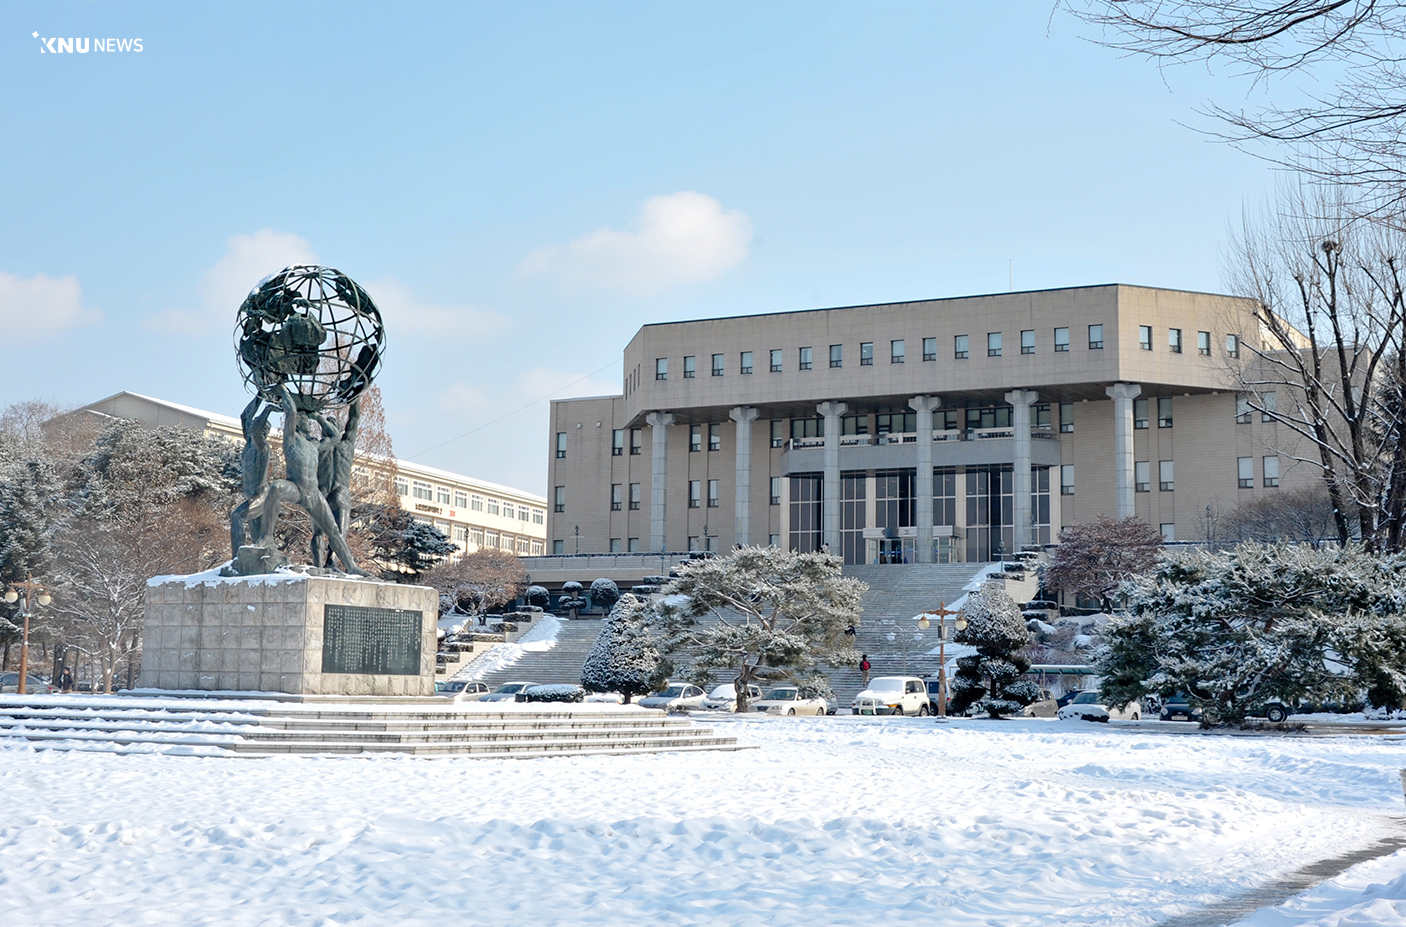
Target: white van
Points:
(892, 695)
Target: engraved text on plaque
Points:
(377, 641)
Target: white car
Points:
(724, 697)
(507, 692)
(892, 695)
(787, 700)
(1089, 706)
(675, 695)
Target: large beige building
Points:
(938, 430)
(473, 513)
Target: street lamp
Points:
(960, 624)
(28, 588)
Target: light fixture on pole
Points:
(31, 591)
(960, 624)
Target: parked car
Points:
(892, 695)
(461, 687)
(1044, 707)
(507, 692)
(934, 693)
(608, 698)
(675, 695)
(33, 685)
(1089, 706)
(787, 700)
(724, 697)
(1177, 707)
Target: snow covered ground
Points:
(832, 821)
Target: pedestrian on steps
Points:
(864, 668)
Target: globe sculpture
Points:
(309, 342)
(314, 329)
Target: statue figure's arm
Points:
(353, 421)
(249, 417)
(329, 428)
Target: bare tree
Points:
(479, 581)
(1354, 133)
(1303, 515)
(1093, 559)
(1328, 351)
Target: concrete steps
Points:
(263, 728)
(559, 665)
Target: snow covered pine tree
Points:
(990, 679)
(624, 659)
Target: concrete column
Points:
(922, 486)
(744, 416)
(1021, 400)
(1123, 395)
(659, 422)
(830, 497)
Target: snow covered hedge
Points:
(557, 692)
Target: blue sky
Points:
(521, 186)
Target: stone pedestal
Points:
(287, 632)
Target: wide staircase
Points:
(269, 727)
(897, 593)
(559, 664)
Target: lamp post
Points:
(28, 588)
(941, 614)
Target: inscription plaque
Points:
(374, 641)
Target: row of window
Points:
(1166, 479)
(619, 495)
(463, 536)
(961, 350)
(462, 499)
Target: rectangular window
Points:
(632, 545)
(695, 493)
(661, 368)
(866, 354)
(805, 359)
(441, 495)
(993, 344)
(1164, 412)
(717, 365)
(523, 514)
(1040, 416)
(617, 492)
(776, 360)
(1061, 340)
(1095, 337)
(615, 545)
(1165, 481)
(1203, 344)
(559, 498)
(854, 424)
(402, 486)
(1027, 342)
(745, 365)
(1139, 413)
(461, 499)
(490, 539)
(476, 536)
(695, 438)
(778, 432)
(808, 427)
(896, 352)
(1142, 476)
(538, 517)
(1066, 480)
(1066, 417)
(492, 506)
(1169, 532)
(959, 347)
(929, 349)
(1271, 472)
(1232, 345)
(1144, 337)
(774, 540)
(776, 490)
(690, 367)
(617, 442)
(1174, 340)
(537, 548)
(422, 491)
(837, 355)
(561, 445)
(715, 437)
(558, 548)
(1270, 402)
(712, 494)
(476, 503)
(1242, 409)
(636, 442)
(634, 497)
(1245, 470)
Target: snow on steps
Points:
(429, 727)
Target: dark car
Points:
(934, 693)
(1177, 707)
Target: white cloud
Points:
(402, 311)
(679, 238)
(33, 307)
(246, 261)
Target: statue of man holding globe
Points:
(309, 342)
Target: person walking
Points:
(864, 668)
(65, 681)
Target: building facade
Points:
(938, 430)
(474, 513)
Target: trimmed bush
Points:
(554, 693)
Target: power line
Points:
(512, 413)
